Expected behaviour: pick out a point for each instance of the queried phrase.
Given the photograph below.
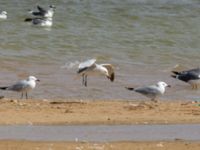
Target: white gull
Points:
(3, 15)
(152, 91)
(89, 67)
(23, 86)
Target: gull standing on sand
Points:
(23, 86)
(89, 67)
(191, 76)
(3, 15)
(152, 91)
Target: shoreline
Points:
(126, 145)
(96, 112)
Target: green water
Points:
(143, 39)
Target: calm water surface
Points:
(101, 133)
(143, 39)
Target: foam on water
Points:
(71, 65)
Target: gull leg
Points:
(192, 86)
(83, 79)
(22, 95)
(86, 80)
(26, 95)
(154, 100)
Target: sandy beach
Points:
(61, 112)
(27, 145)
(69, 112)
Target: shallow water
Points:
(143, 39)
(101, 133)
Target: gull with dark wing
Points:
(191, 76)
(43, 12)
(23, 86)
(43, 22)
(90, 67)
(152, 91)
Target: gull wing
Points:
(188, 76)
(85, 65)
(192, 74)
(19, 86)
(37, 13)
(149, 91)
(42, 10)
(37, 21)
(111, 72)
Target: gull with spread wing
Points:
(90, 67)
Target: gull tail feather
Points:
(174, 76)
(176, 72)
(130, 88)
(3, 88)
(28, 19)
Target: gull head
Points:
(32, 78)
(104, 71)
(4, 12)
(52, 6)
(163, 84)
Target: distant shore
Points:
(66, 112)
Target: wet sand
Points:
(55, 112)
(27, 145)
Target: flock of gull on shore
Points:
(44, 17)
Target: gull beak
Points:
(111, 78)
(169, 86)
(38, 80)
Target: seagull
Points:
(3, 15)
(43, 22)
(23, 86)
(191, 76)
(89, 67)
(152, 91)
(43, 12)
